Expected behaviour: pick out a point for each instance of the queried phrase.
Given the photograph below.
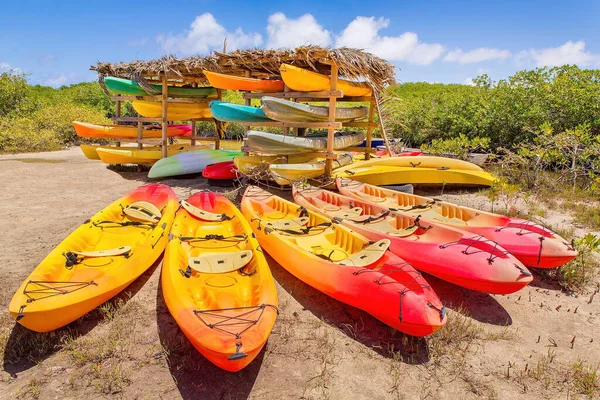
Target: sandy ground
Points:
(524, 345)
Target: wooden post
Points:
(385, 138)
(331, 131)
(247, 102)
(193, 141)
(286, 130)
(140, 134)
(118, 114)
(219, 125)
(165, 105)
(370, 129)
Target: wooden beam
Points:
(165, 105)
(136, 119)
(193, 136)
(247, 102)
(385, 138)
(361, 124)
(140, 134)
(219, 125)
(331, 131)
(372, 106)
(118, 115)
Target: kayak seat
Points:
(202, 214)
(288, 223)
(144, 211)
(367, 256)
(220, 263)
(368, 197)
(388, 227)
(104, 253)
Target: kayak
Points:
(456, 256)
(285, 174)
(224, 170)
(532, 244)
(175, 111)
(191, 162)
(248, 164)
(97, 260)
(420, 161)
(133, 155)
(84, 129)
(343, 264)
(132, 88)
(229, 112)
(217, 283)
(289, 111)
(231, 82)
(274, 143)
(304, 80)
(89, 151)
(369, 172)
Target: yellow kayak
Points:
(217, 283)
(98, 260)
(393, 175)
(304, 80)
(422, 162)
(285, 174)
(89, 151)
(247, 164)
(175, 111)
(133, 155)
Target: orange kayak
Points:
(231, 82)
(343, 264)
(84, 129)
(216, 282)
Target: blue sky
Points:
(55, 42)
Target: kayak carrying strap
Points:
(221, 238)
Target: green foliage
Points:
(458, 147)
(14, 92)
(579, 272)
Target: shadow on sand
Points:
(24, 348)
(195, 376)
(480, 306)
(354, 323)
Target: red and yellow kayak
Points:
(217, 283)
(459, 257)
(532, 244)
(98, 260)
(231, 82)
(343, 264)
(84, 129)
(225, 170)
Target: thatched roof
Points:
(352, 64)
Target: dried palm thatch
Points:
(352, 64)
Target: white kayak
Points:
(285, 174)
(273, 143)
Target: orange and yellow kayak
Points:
(98, 260)
(231, 82)
(343, 264)
(217, 283)
(84, 129)
(175, 111)
(304, 80)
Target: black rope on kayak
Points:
(524, 227)
(221, 238)
(494, 253)
(442, 310)
(416, 206)
(443, 168)
(414, 165)
(350, 172)
(385, 272)
(371, 218)
(523, 270)
(187, 273)
(48, 289)
(20, 315)
(417, 225)
(238, 354)
(164, 225)
(304, 230)
(303, 212)
(226, 324)
(103, 224)
(73, 259)
(541, 238)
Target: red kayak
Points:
(532, 244)
(225, 170)
(456, 256)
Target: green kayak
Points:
(132, 88)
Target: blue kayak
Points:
(230, 112)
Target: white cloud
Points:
(569, 53)
(206, 34)
(6, 67)
(476, 56)
(469, 81)
(363, 33)
(57, 81)
(286, 32)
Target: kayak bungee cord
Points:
(477, 242)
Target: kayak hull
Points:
(304, 80)
(272, 143)
(84, 129)
(224, 170)
(191, 162)
(230, 112)
(132, 155)
(289, 111)
(175, 111)
(230, 82)
(132, 88)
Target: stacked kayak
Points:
(418, 170)
(230, 82)
(343, 264)
(285, 174)
(86, 130)
(217, 283)
(133, 155)
(248, 164)
(532, 244)
(98, 260)
(289, 111)
(271, 143)
(303, 80)
(229, 112)
(460, 257)
(189, 162)
(224, 170)
(175, 111)
(132, 88)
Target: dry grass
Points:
(585, 379)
